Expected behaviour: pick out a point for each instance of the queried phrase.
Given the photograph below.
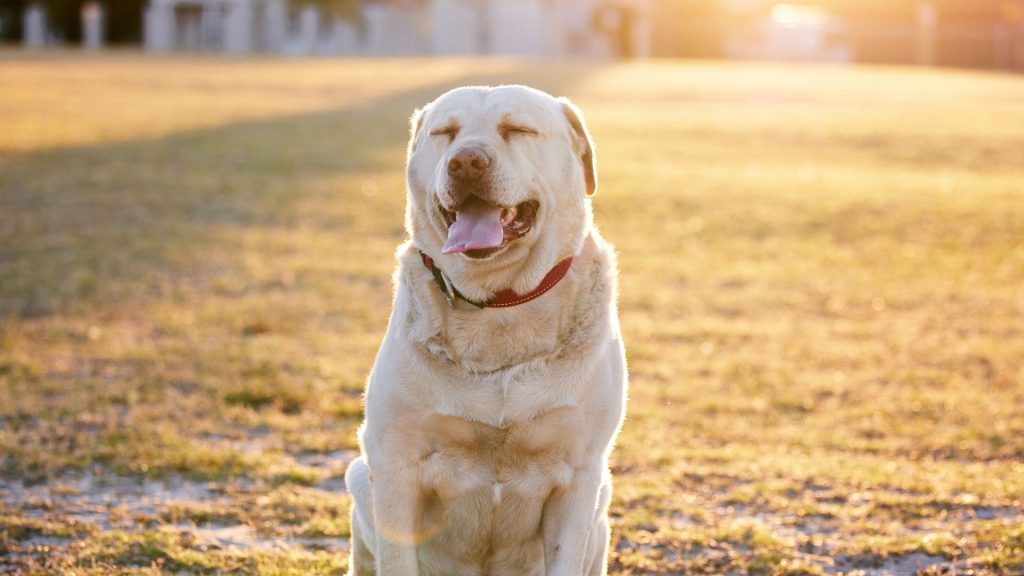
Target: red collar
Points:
(505, 298)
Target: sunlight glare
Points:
(798, 15)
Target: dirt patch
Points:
(904, 565)
(104, 500)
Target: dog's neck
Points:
(492, 340)
(502, 299)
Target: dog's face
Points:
(499, 176)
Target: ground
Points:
(820, 294)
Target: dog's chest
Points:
(526, 457)
(492, 340)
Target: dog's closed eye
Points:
(451, 131)
(508, 130)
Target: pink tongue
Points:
(477, 225)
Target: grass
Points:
(821, 272)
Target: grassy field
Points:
(821, 293)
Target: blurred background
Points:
(975, 33)
(818, 209)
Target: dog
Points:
(500, 386)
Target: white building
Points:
(232, 26)
(405, 28)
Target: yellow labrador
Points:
(500, 386)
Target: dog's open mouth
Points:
(478, 228)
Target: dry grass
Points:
(821, 272)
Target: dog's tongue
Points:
(477, 225)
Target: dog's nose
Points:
(469, 164)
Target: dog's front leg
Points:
(395, 507)
(570, 516)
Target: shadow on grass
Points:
(205, 303)
(102, 224)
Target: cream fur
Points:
(487, 433)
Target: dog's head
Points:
(498, 182)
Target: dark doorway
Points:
(124, 21)
(65, 19)
(11, 12)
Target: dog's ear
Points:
(584, 145)
(415, 123)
